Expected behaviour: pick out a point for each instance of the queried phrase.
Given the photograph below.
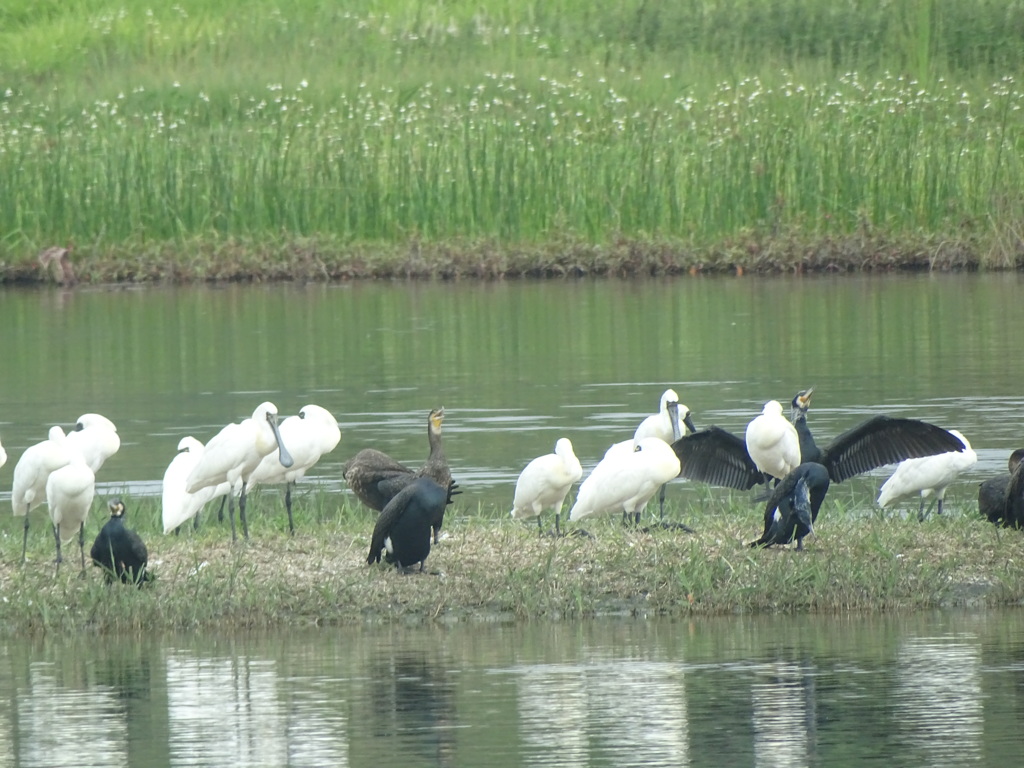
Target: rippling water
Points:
(516, 365)
(932, 689)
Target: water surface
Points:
(939, 688)
(516, 364)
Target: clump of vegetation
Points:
(454, 139)
(490, 567)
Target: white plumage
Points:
(624, 481)
(3, 455)
(95, 438)
(311, 434)
(69, 494)
(234, 453)
(772, 441)
(180, 506)
(545, 482)
(929, 476)
(660, 423)
(28, 490)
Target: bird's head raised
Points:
(436, 418)
(801, 403)
(116, 507)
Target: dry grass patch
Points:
(491, 568)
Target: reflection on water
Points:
(62, 725)
(224, 710)
(638, 713)
(783, 716)
(924, 690)
(414, 708)
(939, 700)
(553, 718)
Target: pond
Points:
(941, 688)
(516, 364)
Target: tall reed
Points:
(398, 122)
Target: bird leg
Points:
(231, 517)
(558, 530)
(288, 506)
(241, 512)
(24, 538)
(220, 510)
(922, 513)
(81, 545)
(56, 538)
(661, 502)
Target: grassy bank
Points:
(503, 139)
(493, 568)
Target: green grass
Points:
(492, 568)
(725, 133)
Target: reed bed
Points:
(170, 144)
(491, 568)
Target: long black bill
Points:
(285, 457)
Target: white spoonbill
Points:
(3, 455)
(929, 476)
(180, 506)
(310, 435)
(772, 442)
(234, 452)
(96, 438)
(545, 482)
(69, 494)
(624, 482)
(671, 422)
(30, 473)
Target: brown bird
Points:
(1001, 498)
(376, 478)
(58, 257)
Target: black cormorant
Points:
(403, 528)
(718, 457)
(119, 551)
(375, 477)
(1001, 498)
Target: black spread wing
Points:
(718, 457)
(884, 440)
(391, 513)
